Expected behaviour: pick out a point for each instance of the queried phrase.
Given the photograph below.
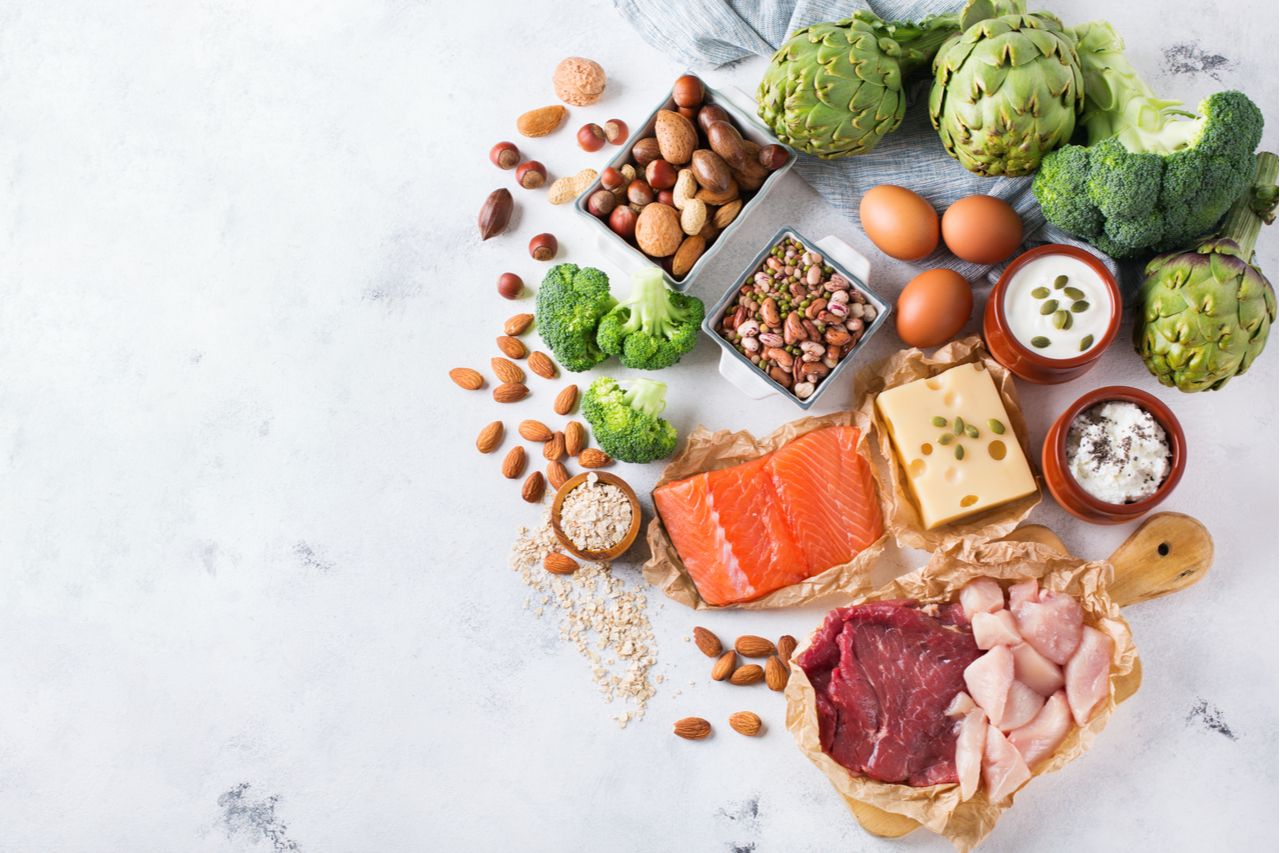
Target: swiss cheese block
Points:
(947, 484)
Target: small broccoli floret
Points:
(626, 423)
(1121, 183)
(570, 303)
(654, 326)
(1063, 191)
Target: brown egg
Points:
(933, 308)
(982, 229)
(901, 224)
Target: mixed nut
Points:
(796, 318)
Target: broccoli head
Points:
(654, 326)
(1152, 177)
(570, 303)
(626, 423)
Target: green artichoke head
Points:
(836, 88)
(1006, 90)
(1203, 315)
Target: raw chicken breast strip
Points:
(1050, 623)
(970, 740)
(995, 629)
(988, 679)
(1003, 770)
(1020, 708)
(1041, 737)
(1088, 674)
(1036, 671)
(981, 595)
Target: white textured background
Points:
(253, 581)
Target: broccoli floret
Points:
(570, 303)
(654, 326)
(626, 423)
(1155, 177)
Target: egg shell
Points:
(982, 229)
(933, 308)
(901, 223)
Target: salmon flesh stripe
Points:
(745, 531)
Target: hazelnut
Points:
(531, 175)
(543, 247)
(688, 92)
(646, 151)
(611, 178)
(601, 203)
(688, 112)
(504, 155)
(510, 286)
(639, 192)
(578, 82)
(615, 130)
(773, 157)
(623, 222)
(660, 174)
(591, 137)
(666, 197)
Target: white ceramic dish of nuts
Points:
(684, 262)
(795, 318)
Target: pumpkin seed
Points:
(995, 426)
(1040, 342)
(1040, 292)
(959, 451)
(1060, 282)
(1073, 293)
(945, 438)
(971, 430)
(958, 426)
(938, 421)
(1086, 343)
(1061, 320)
(1049, 307)
(1079, 307)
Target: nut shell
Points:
(646, 151)
(712, 171)
(677, 137)
(658, 230)
(579, 82)
(496, 213)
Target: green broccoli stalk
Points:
(570, 303)
(626, 423)
(1151, 177)
(654, 326)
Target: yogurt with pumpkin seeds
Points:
(1058, 307)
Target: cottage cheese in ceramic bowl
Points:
(1118, 453)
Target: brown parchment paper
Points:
(712, 451)
(939, 808)
(900, 514)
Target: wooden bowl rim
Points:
(626, 542)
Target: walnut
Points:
(578, 82)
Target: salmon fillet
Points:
(745, 531)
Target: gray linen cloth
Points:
(717, 32)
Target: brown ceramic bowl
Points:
(1062, 484)
(1026, 363)
(610, 553)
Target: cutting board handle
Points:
(1168, 552)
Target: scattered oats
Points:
(538, 613)
(686, 639)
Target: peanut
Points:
(685, 189)
(567, 189)
(693, 217)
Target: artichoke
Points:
(1007, 89)
(1204, 313)
(834, 89)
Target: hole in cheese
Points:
(951, 400)
(951, 475)
(933, 384)
(968, 500)
(926, 449)
(997, 449)
(916, 469)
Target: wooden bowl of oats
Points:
(596, 516)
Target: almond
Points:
(559, 564)
(541, 121)
(725, 666)
(753, 647)
(592, 458)
(745, 723)
(557, 475)
(510, 392)
(749, 674)
(541, 364)
(687, 255)
(727, 214)
(490, 437)
(553, 448)
(692, 728)
(513, 463)
(467, 378)
(718, 198)
(786, 647)
(506, 371)
(517, 325)
(776, 673)
(512, 347)
(566, 400)
(658, 230)
(575, 438)
(534, 430)
(708, 642)
(534, 486)
(677, 137)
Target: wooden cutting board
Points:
(1168, 552)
